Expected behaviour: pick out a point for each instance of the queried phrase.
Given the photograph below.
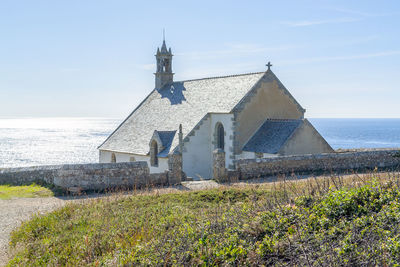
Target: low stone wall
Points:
(325, 163)
(27, 175)
(97, 176)
(102, 176)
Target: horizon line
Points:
(115, 117)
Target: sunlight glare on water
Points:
(47, 141)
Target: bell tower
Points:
(164, 73)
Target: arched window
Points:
(153, 153)
(113, 158)
(220, 136)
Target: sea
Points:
(47, 141)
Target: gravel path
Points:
(14, 211)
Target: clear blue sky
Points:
(96, 58)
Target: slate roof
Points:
(166, 139)
(185, 102)
(272, 135)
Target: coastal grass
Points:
(26, 191)
(352, 220)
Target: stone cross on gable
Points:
(269, 65)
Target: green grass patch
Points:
(33, 190)
(330, 221)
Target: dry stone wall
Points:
(102, 176)
(175, 171)
(97, 176)
(219, 170)
(27, 175)
(326, 163)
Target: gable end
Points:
(268, 77)
(305, 140)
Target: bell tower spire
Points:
(164, 73)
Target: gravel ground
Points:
(14, 211)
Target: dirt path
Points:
(14, 211)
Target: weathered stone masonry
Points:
(219, 170)
(175, 172)
(333, 162)
(101, 176)
(98, 176)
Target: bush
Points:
(310, 223)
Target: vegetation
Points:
(33, 190)
(332, 221)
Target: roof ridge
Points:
(226, 76)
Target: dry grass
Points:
(336, 220)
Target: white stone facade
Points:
(197, 150)
(105, 157)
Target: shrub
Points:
(304, 223)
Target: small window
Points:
(153, 154)
(259, 155)
(220, 136)
(113, 158)
(132, 159)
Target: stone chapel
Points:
(248, 116)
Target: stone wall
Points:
(97, 176)
(318, 163)
(175, 172)
(104, 176)
(219, 169)
(101, 176)
(18, 176)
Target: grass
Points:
(28, 191)
(331, 221)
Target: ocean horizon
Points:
(67, 140)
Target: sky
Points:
(94, 58)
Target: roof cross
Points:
(269, 65)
